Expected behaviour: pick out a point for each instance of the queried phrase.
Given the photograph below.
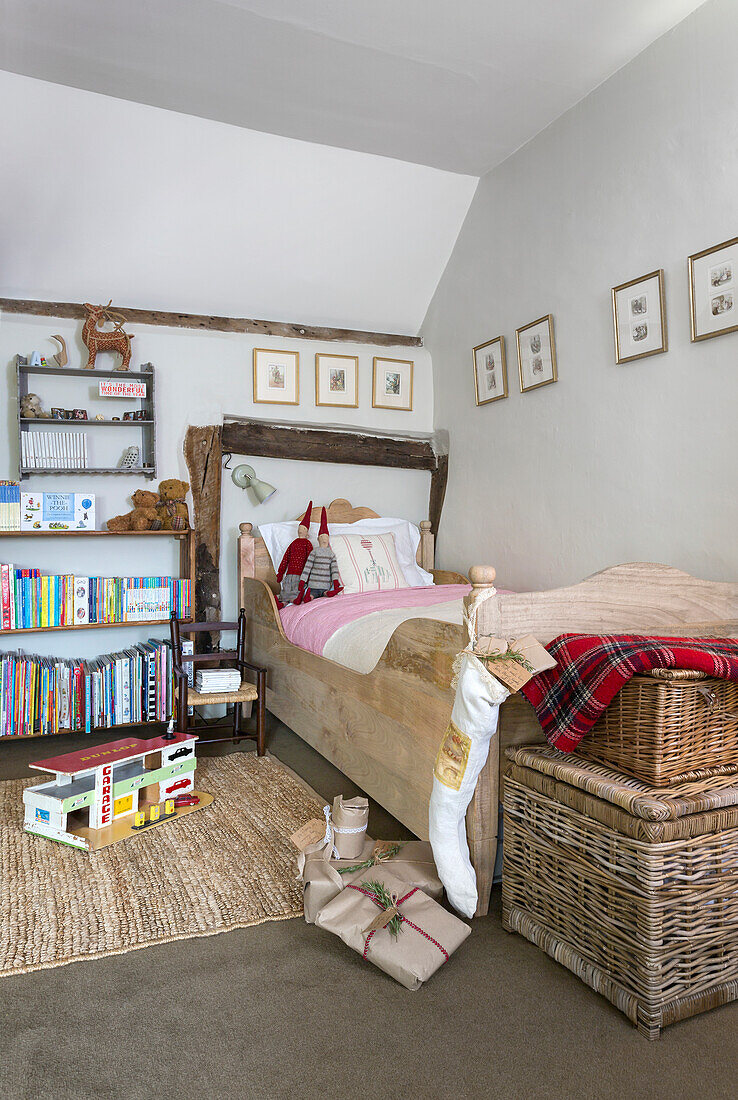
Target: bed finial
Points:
(245, 528)
(482, 576)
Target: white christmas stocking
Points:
(461, 756)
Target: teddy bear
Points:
(172, 509)
(143, 517)
(30, 408)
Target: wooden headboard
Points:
(254, 560)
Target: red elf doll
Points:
(320, 575)
(293, 562)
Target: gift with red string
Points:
(396, 927)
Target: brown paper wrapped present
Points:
(411, 861)
(350, 818)
(398, 928)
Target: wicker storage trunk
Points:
(668, 726)
(633, 889)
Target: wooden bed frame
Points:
(382, 729)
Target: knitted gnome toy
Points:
(320, 574)
(293, 562)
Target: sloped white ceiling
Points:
(105, 198)
(456, 84)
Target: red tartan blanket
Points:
(592, 668)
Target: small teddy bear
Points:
(172, 509)
(143, 517)
(30, 408)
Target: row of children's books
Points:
(54, 450)
(29, 600)
(10, 506)
(44, 695)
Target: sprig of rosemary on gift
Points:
(386, 853)
(509, 655)
(380, 892)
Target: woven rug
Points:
(226, 866)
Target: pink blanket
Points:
(312, 625)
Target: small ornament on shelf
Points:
(30, 408)
(131, 458)
(97, 339)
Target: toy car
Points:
(178, 786)
(184, 751)
(186, 800)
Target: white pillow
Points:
(367, 562)
(278, 536)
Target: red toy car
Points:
(186, 800)
(176, 786)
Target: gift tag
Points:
(510, 672)
(381, 920)
(309, 833)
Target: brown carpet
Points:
(229, 865)
(286, 1010)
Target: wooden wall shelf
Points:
(95, 534)
(147, 426)
(85, 626)
(81, 372)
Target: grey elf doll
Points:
(320, 576)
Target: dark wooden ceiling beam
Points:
(287, 330)
(267, 439)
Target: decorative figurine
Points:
(30, 408)
(61, 358)
(293, 562)
(320, 575)
(97, 339)
(99, 416)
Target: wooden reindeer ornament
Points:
(97, 339)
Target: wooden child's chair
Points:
(185, 696)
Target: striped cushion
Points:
(367, 562)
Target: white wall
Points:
(199, 378)
(612, 463)
(106, 198)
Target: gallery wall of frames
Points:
(639, 324)
(277, 380)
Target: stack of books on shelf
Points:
(29, 600)
(53, 450)
(209, 681)
(45, 695)
(10, 506)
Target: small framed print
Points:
(639, 317)
(392, 384)
(536, 354)
(337, 381)
(276, 377)
(490, 371)
(713, 290)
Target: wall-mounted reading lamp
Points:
(245, 477)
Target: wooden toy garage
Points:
(110, 792)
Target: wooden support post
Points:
(203, 453)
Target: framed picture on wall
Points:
(639, 317)
(392, 384)
(337, 381)
(276, 377)
(536, 354)
(713, 290)
(490, 371)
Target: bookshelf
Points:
(146, 426)
(186, 571)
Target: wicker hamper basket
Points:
(633, 890)
(668, 726)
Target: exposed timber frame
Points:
(287, 329)
(205, 446)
